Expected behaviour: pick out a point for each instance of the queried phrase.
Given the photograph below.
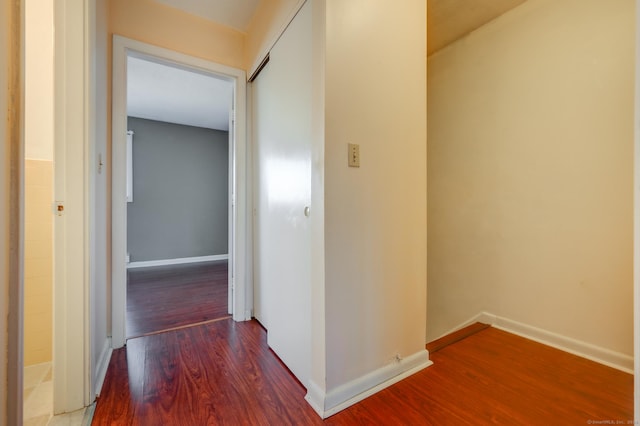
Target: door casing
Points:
(123, 47)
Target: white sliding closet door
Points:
(282, 149)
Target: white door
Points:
(282, 141)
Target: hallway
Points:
(224, 373)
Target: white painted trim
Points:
(73, 143)
(242, 241)
(118, 193)
(582, 349)
(102, 366)
(129, 166)
(121, 48)
(348, 394)
(177, 261)
(230, 208)
(316, 397)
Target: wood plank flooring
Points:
(166, 297)
(217, 373)
(224, 373)
(494, 377)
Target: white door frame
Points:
(72, 145)
(122, 47)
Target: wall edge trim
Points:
(177, 261)
(329, 403)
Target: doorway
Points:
(124, 51)
(178, 193)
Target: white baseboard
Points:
(482, 317)
(178, 261)
(102, 365)
(595, 353)
(329, 403)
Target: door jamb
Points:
(121, 48)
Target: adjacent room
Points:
(177, 197)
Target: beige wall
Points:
(38, 256)
(164, 26)
(375, 215)
(39, 80)
(531, 170)
(38, 261)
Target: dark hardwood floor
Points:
(216, 373)
(494, 377)
(166, 297)
(224, 373)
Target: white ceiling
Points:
(166, 93)
(232, 13)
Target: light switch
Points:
(354, 155)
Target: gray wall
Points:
(180, 191)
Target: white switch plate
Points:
(354, 155)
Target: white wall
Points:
(317, 218)
(531, 172)
(375, 215)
